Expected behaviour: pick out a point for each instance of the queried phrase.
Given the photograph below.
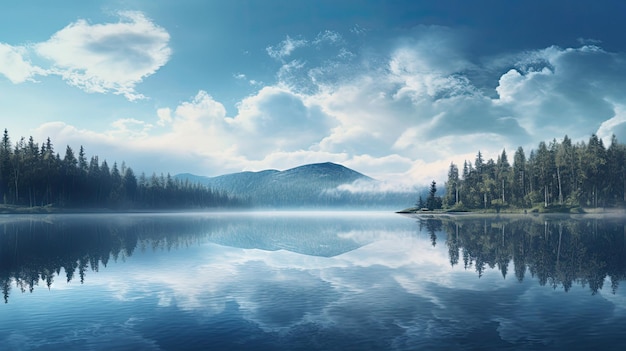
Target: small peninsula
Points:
(557, 177)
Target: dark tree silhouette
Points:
(33, 175)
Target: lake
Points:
(311, 281)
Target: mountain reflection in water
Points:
(311, 281)
(559, 251)
(35, 249)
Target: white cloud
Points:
(285, 48)
(328, 36)
(401, 115)
(277, 112)
(290, 74)
(15, 66)
(111, 57)
(390, 170)
(430, 50)
(587, 41)
(130, 128)
(556, 91)
(614, 126)
(165, 116)
(203, 111)
(273, 128)
(358, 30)
(345, 54)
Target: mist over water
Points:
(311, 280)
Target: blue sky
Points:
(393, 89)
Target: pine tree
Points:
(420, 203)
(5, 166)
(452, 186)
(433, 202)
(519, 183)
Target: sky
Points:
(396, 90)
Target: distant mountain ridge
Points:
(312, 185)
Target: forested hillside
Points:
(319, 185)
(36, 175)
(558, 173)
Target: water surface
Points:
(307, 281)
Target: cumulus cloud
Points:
(130, 128)
(271, 127)
(557, 91)
(265, 123)
(280, 114)
(400, 114)
(102, 58)
(614, 126)
(165, 116)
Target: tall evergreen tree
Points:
(503, 169)
(616, 172)
(433, 201)
(594, 170)
(130, 185)
(452, 186)
(519, 183)
(5, 166)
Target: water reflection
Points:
(311, 282)
(34, 250)
(558, 251)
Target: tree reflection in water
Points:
(557, 250)
(34, 250)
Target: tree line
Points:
(559, 173)
(36, 175)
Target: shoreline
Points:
(7, 210)
(585, 212)
(412, 212)
(51, 210)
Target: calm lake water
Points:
(311, 281)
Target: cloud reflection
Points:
(392, 289)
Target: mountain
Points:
(308, 186)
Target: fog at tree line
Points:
(33, 175)
(557, 173)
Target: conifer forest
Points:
(36, 175)
(558, 173)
